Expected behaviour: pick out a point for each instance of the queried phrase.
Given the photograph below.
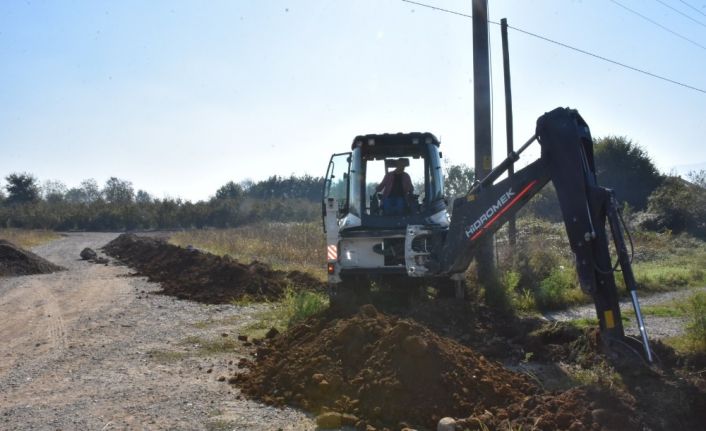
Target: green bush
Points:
(298, 306)
(680, 206)
(696, 316)
(625, 167)
(520, 298)
(559, 290)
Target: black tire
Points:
(349, 294)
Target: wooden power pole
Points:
(511, 226)
(485, 258)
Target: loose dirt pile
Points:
(16, 261)
(204, 277)
(582, 408)
(380, 370)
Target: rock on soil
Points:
(204, 277)
(88, 254)
(17, 261)
(384, 370)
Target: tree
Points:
(87, 193)
(626, 168)
(680, 206)
(117, 191)
(91, 191)
(698, 178)
(458, 180)
(230, 190)
(142, 197)
(22, 188)
(54, 191)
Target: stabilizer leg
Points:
(626, 267)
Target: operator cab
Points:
(352, 179)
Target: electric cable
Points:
(680, 12)
(658, 24)
(704, 14)
(573, 48)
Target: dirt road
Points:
(657, 326)
(92, 348)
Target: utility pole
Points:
(511, 227)
(485, 258)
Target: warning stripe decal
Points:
(332, 252)
(502, 211)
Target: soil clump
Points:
(17, 261)
(188, 273)
(381, 370)
(580, 408)
(389, 371)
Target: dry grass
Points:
(285, 246)
(537, 274)
(27, 238)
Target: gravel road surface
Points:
(657, 327)
(92, 348)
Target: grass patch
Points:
(696, 317)
(665, 310)
(559, 290)
(284, 246)
(231, 320)
(210, 346)
(293, 308)
(667, 276)
(27, 238)
(521, 299)
(538, 272)
(585, 322)
(600, 374)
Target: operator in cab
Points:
(396, 187)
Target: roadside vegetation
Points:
(293, 308)
(116, 205)
(285, 246)
(27, 238)
(538, 274)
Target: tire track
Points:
(56, 329)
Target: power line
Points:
(573, 48)
(704, 14)
(658, 24)
(442, 9)
(617, 63)
(680, 12)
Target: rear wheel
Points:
(349, 294)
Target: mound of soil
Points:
(204, 277)
(382, 370)
(582, 408)
(17, 261)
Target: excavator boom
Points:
(566, 160)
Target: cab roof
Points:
(394, 139)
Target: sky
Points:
(180, 97)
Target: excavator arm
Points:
(566, 160)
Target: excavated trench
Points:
(396, 367)
(204, 277)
